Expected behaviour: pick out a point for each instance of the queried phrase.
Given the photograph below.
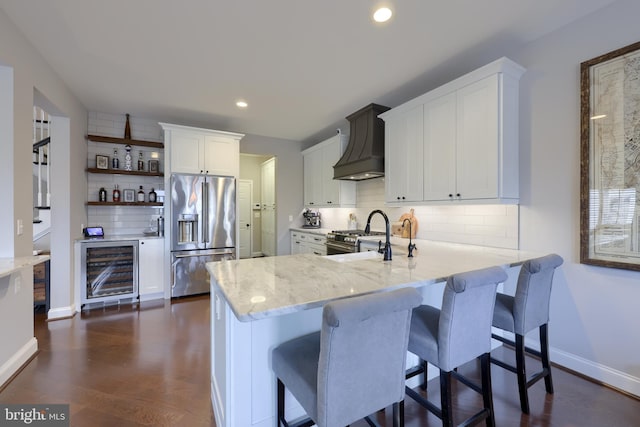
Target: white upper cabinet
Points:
(202, 151)
(320, 189)
(465, 134)
(403, 156)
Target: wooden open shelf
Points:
(159, 204)
(122, 141)
(124, 172)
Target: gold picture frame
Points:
(610, 159)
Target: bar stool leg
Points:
(280, 403)
(544, 352)
(521, 372)
(445, 399)
(487, 393)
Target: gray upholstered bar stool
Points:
(524, 312)
(456, 334)
(354, 365)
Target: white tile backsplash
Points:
(487, 225)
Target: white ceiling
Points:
(301, 65)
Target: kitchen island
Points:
(258, 303)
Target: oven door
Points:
(335, 248)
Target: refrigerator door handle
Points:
(205, 211)
(223, 252)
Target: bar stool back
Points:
(456, 334)
(524, 312)
(355, 365)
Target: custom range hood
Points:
(364, 155)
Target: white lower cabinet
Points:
(150, 271)
(308, 243)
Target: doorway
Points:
(251, 169)
(245, 220)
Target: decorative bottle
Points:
(140, 194)
(102, 195)
(140, 162)
(127, 158)
(115, 162)
(127, 129)
(116, 194)
(152, 196)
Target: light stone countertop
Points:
(11, 265)
(258, 288)
(319, 231)
(118, 238)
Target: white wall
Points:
(594, 311)
(288, 181)
(33, 77)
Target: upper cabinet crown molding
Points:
(503, 65)
(465, 137)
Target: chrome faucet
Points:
(387, 245)
(411, 246)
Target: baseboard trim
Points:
(589, 369)
(16, 362)
(597, 372)
(61, 313)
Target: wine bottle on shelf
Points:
(140, 161)
(115, 162)
(116, 194)
(152, 196)
(102, 195)
(127, 158)
(140, 195)
(127, 129)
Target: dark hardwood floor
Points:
(149, 366)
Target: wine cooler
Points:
(109, 271)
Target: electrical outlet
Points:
(17, 284)
(81, 228)
(290, 218)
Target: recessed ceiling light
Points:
(242, 104)
(382, 14)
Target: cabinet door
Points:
(403, 156)
(221, 156)
(295, 243)
(187, 152)
(150, 260)
(330, 188)
(313, 178)
(477, 149)
(440, 148)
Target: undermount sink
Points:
(357, 256)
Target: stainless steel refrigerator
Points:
(203, 229)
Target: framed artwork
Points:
(610, 159)
(154, 166)
(129, 195)
(102, 162)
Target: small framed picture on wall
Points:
(154, 166)
(102, 162)
(129, 195)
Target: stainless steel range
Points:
(346, 241)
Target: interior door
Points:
(245, 190)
